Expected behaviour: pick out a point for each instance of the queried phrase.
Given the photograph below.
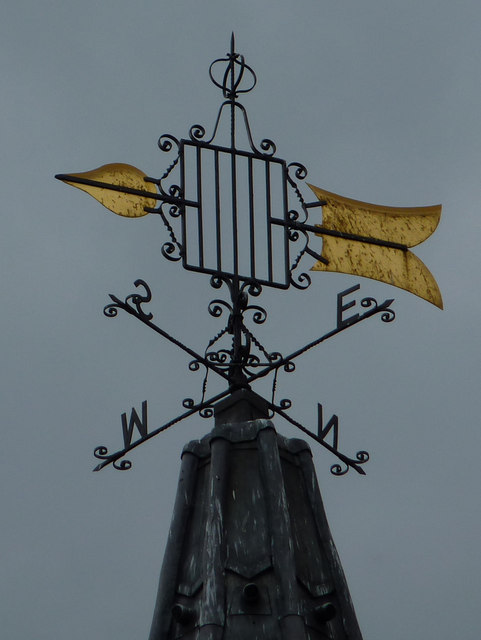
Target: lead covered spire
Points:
(250, 555)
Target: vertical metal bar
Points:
(232, 95)
(285, 230)
(234, 213)
(251, 219)
(269, 212)
(200, 230)
(217, 210)
(184, 208)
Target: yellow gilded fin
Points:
(393, 266)
(407, 226)
(99, 182)
(370, 240)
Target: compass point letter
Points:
(341, 307)
(135, 421)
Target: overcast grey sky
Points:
(381, 100)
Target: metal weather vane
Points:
(238, 215)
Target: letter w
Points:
(134, 421)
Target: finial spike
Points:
(232, 43)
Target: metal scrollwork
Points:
(196, 132)
(252, 360)
(283, 405)
(361, 458)
(268, 147)
(137, 300)
(260, 314)
(387, 315)
(172, 250)
(368, 302)
(124, 465)
(301, 281)
(337, 470)
(111, 310)
(222, 356)
(275, 356)
(216, 282)
(204, 411)
(216, 308)
(194, 365)
(254, 288)
(166, 142)
(295, 216)
(301, 171)
(293, 235)
(176, 192)
(168, 250)
(101, 453)
(175, 211)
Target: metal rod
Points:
(65, 177)
(349, 461)
(217, 210)
(286, 237)
(183, 217)
(234, 214)
(251, 218)
(268, 211)
(200, 234)
(276, 365)
(232, 91)
(320, 230)
(202, 405)
(166, 335)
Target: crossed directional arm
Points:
(133, 306)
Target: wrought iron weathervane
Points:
(238, 215)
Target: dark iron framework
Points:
(238, 216)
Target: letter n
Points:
(332, 424)
(135, 421)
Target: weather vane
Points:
(239, 216)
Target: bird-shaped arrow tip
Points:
(119, 187)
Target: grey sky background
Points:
(382, 102)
